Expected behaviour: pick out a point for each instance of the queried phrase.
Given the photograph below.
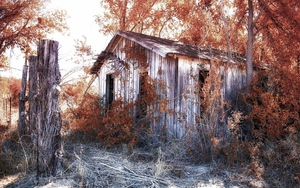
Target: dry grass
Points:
(17, 155)
(91, 165)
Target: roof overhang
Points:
(115, 40)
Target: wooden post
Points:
(9, 121)
(33, 91)
(48, 110)
(22, 101)
(6, 114)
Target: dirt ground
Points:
(91, 165)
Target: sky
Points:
(81, 22)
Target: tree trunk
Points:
(249, 64)
(123, 20)
(22, 100)
(48, 110)
(248, 127)
(33, 91)
(229, 57)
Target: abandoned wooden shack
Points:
(178, 65)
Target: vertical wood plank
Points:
(176, 98)
(33, 92)
(22, 101)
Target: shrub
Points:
(113, 125)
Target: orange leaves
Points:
(155, 17)
(136, 55)
(12, 86)
(210, 94)
(22, 23)
(118, 124)
(15, 88)
(82, 48)
(113, 125)
(163, 105)
(73, 92)
(275, 102)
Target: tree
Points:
(261, 29)
(272, 35)
(24, 22)
(154, 17)
(273, 26)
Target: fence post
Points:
(32, 94)
(48, 110)
(22, 101)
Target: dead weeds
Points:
(92, 165)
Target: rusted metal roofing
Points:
(164, 47)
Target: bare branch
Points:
(260, 13)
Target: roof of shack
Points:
(164, 47)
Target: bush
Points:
(113, 125)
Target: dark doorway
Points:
(203, 74)
(142, 112)
(109, 89)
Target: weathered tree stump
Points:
(48, 110)
(32, 95)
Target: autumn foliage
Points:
(23, 23)
(275, 103)
(15, 88)
(112, 125)
(11, 86)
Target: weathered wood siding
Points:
(180, 74)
